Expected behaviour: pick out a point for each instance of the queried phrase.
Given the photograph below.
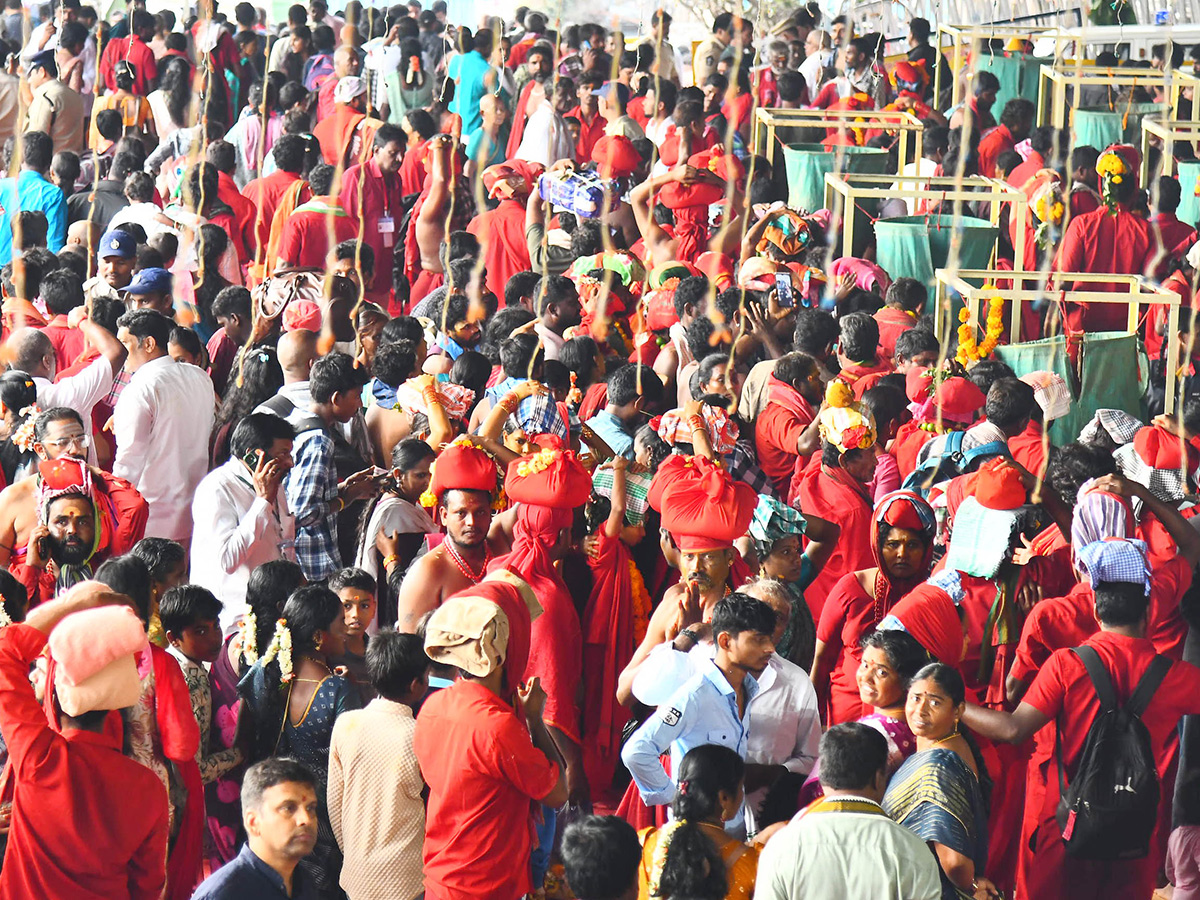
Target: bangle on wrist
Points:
(390, 560)
(690, 635)
(341, 504)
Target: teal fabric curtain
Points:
(807, 165)
(1189, 203)
(1017, 73)
(916, 246)
(1102, 128)
(1115, 374)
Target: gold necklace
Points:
(948, 737)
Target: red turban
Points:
(999, 486)
(715, 160)
(462, 467)
(660, 309)
(929, 615)
(615, 156)
(552, 477)
(701, 506)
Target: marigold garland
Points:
(969, 350)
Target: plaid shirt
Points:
(538, 414)
(311, 486)
(743, 466)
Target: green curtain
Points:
(1115, 374)
(1102, 128)
(916, 246)
(807, 165)
(1189, 204)
(1017, 73)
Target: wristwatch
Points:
(690, 635)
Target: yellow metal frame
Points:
(1168, 133)
(1053, 82)
(844, 189)
(966, 39)
(1139, 292)
(767, 120)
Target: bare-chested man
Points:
(464, 481)
(59, 432)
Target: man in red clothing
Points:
(1109, 239)
(1041, 155)
(1060, 707)
(132, 49)
(1053, 401)
(904, 303)
(266, 193)
(1016, 121)
(345, 64)
(501, 231)
(483, 759)
(591, 123)
(67, 769)
(223, 155)
(540, 64)
(346, 136)
(535, 30)
(1169, 232)
(786, 432)
(1084, 195)
(62, 291)
(371, 196)
(311, 233)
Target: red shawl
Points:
(517, 130)
(501, 234)
(412, 169)
(556, 647)
(691, 232)
(834, 495)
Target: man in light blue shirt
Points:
(470, 72)
(628, 395)
(31, 190)
(712, 708)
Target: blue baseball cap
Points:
(606, 91)
(118, 243)
(150, 281)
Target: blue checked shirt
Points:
(703, 711)
(311, 486)
(538, 414)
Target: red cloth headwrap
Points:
(930, 616)
(701, 506)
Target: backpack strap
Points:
(988, 450)
(1144, 692)
(1099, 676)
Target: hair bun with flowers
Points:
(1113, 169)
(844, 423)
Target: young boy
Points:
(381, 830)
(167, 562)
(356, 589)
(189, 615)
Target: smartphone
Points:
(251, 459)
(784, 289)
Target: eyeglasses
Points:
(79, 441)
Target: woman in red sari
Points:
(902, 531)
(834, 487)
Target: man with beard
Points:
(279, 812)
(63, 541)
(464, 483)
(115, 258)
(539, 63)
(786, 432)
(372, 197)
(59, 433)
(558, 308)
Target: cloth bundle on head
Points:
(787, 231)
(303, 315)
(514, 178)
(485, 626)
(910, 76)
(93, 652)
(1161, 462)
(68, 477)
(553, 477)
(930, 614)
(662, 274)
(722, 430)
(701, 506)
(461, 467)
(1117, 165)
(1100, 515)
(718, 267)
(1119, 425)
(773, 520)
(984, 524)
(1051, 392)
(454, 398)
(615, 156)
(724, 165)
(867, 275)
(348, 88)
(955, 399)
(1115, 561)
(660, 309)
(844, 423)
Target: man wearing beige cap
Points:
(346, 136)
(66, 771)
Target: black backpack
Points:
(1109, 810)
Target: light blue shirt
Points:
(703, 711)
(468, 71)
(612, 431)
(30, 191)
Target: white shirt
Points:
(162, 424)
(811, 70)
(846, 855)
(79, 392)
(235, 531)
(923, 169)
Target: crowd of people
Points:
(440, 463)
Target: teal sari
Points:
(937, 797)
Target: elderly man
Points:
(345, 64)
(73, 764)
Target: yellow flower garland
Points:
(969, 351)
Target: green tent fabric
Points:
(807, 165)
(1102, 128)
(1189, 204)
(1114, 376)
(1018, 74)
(916, 246)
